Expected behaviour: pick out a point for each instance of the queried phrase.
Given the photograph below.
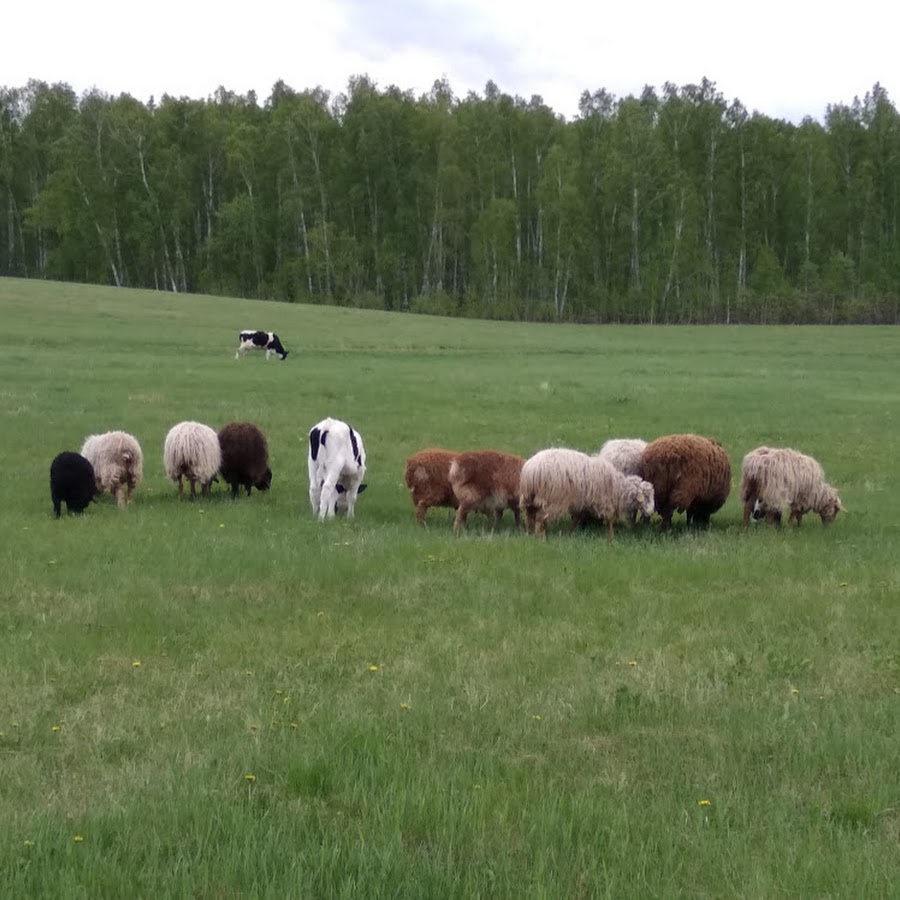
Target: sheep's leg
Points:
(666, 516)
(57, 507)
(498, 518)
(528, 511)
(773, 517)
(796, 517)
(462, 513)
(516, 515)
(421, 509)
(193, 486)
(180, 486)
(609, 522)
(249, 486)
(120, 495)
(749, 503)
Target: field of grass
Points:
(221, 699)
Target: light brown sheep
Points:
(775, 477)
(558, 481)
(427, 475)
(690, 474)
(118, 463)
(485, 481)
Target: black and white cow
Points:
(260, 340)
(337, 466)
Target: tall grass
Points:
(424, 716)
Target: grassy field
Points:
(222, 699)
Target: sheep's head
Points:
(265, 482)
(830, 506)
(646, 500)
(640, 497)
(759, 511)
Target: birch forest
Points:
(675, 206)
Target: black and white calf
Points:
(260, 340)
(337, 466)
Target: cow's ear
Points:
(340, 489)
(361, 488)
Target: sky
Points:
(786, 59)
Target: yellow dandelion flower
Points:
(248, 672)
(476, 787)
(136, 664)
(632, 662)
(278, 692)
(405, 706)
(536, 718)
(320, 613)
(54, 727)
(286, 700)
(373, 668)
(254, 727)
(794, 691)
(294, 725)
(78, 838)
(843, 584)
(250, 777)
(704, 803)
(29, 843)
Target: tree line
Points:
(673, 206)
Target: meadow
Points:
(223, 699)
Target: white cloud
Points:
(786, 58)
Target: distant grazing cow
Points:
(260, 340)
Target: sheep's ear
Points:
(361, 488)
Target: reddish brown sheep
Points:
(689, 474)
(486, 481)
(427, 476)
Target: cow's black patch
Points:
(315, 438)
(355, 446)
(260, 338)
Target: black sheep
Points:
(71, 479)
(245, 457)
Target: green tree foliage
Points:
(671, 206)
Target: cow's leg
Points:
(327, 499)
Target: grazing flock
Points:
(628, 479)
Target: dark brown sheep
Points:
(427, 475)
(486, 481)
(689, 474)
(245, 457)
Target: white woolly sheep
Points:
(486, 481)
(118, 463)
(191, 451)
(558, 481)
(775, 477)
(624, 453)
(337, 466)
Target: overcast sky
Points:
(785, 58)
